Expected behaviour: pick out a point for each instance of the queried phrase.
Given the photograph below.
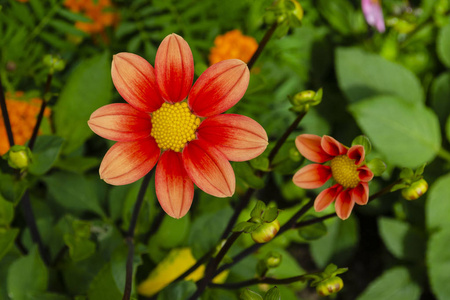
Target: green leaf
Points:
(172, 232)
(247, 175)
(6, 212)
(73, 16)
(103, 287)
(273, 294)
(248, 294)
(12, 189)
(408, 135)
(443, 45)
(178, 291)
(45, 153)
(377, 166)
(260, 163)
(437, 205)
(270, 214)
(395, 284)
(88, 87)
(118, 264)
(339, 14)
(447, 129)
(78, 164)
(362, 75)
(440, 93)
(7, 238)
(314, 231)
(402, 240)
(73, 191)
(27, 275)
(438, 262)
(79, 249)
(258, 210)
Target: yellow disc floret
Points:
(173, 125)
(345, 171)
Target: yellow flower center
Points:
(344, 171)
(173, 125)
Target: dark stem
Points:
(267, 280)
(212, 266)
(5, 115)
(200, 262)
(262, 45)
(285, 136)
(314, 221)
(237, 211)
(41, 112)
(31, 224)
(130, 236)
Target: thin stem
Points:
(444, 154)
(267, 280)
(130, 236)
(241, 205)
(213, 264)
(285, 136)
(5, 115)
(313, 221)
(31, 224)
(262, 44)
(200, 262)
(41, 112)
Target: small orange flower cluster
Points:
(233, 44)
(100, 12)
(22, 115)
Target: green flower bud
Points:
(415, 190)
(266, 232)
(329, 286)
(19, 157)
(272, 259)
(54, 63)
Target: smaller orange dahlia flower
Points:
(346, 166)
(192, 141)
(232, 44)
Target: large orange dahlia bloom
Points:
(192, 141)
(346, 166)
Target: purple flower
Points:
(373, 14)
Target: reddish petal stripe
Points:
(332, 147)
(344, 204)
(360, 193)
(174, 188)
(326, 197)
(209, 169)
(238, 137)
(174, 67)
(365, 174)
(127, 162)
(134, 79)
(219, 88)
(309, 146)
(357, 153)
(120, 122)
(312, 176)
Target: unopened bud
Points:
(54, 63)
(266, 232)
(330, 286)
(18, 157)
(415, 190)
(272, 259)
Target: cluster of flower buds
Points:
(301, 102)
(54, 63)
(286, 14)
(263, 224)
(411, 183)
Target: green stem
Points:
(267, 280)
(262, 44)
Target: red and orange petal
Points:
(174, 66)
(312, 176)
(344, 204)
(238, 137)
(232, 44)
(332, 147)
(219, 88)
(326, 197)
(127, 162)
(365, 174)
(120, 122)
(209, 169)
(309, 145)
(361, 193)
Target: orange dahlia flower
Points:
(196, 140)
(233, 44)
(346, 166)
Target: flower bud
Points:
(415, 190)
(54, 63)
(272, 259)
(266, 232)
(19, 157)
(329, 286)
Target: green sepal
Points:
(406, 173)
(258, 210)
(247, 227)
(273, 294)
(419, 171)
(363, 141)
(377, 166)
(250, 295)
(270, 214)
(399, 186)
(260, 163)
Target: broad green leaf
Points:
(362, 75)
(7, 238)
(313, 231)
(78, 164)
(172, 232)
(6, 212)
(27, 275)
(73, 191)
(103, 286)
(395, 284)
(437, 205)
(407, 135)
(12, 189)
(438, 262)
(178, 291)
(440, 93)
(88, 88)
(79, 249)
(338, 244)
(401, 239)
(78, 276)
(339, 14)
(247, 175)
(443, 45)
(273, 294)
(45, 153)
(447, 129)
